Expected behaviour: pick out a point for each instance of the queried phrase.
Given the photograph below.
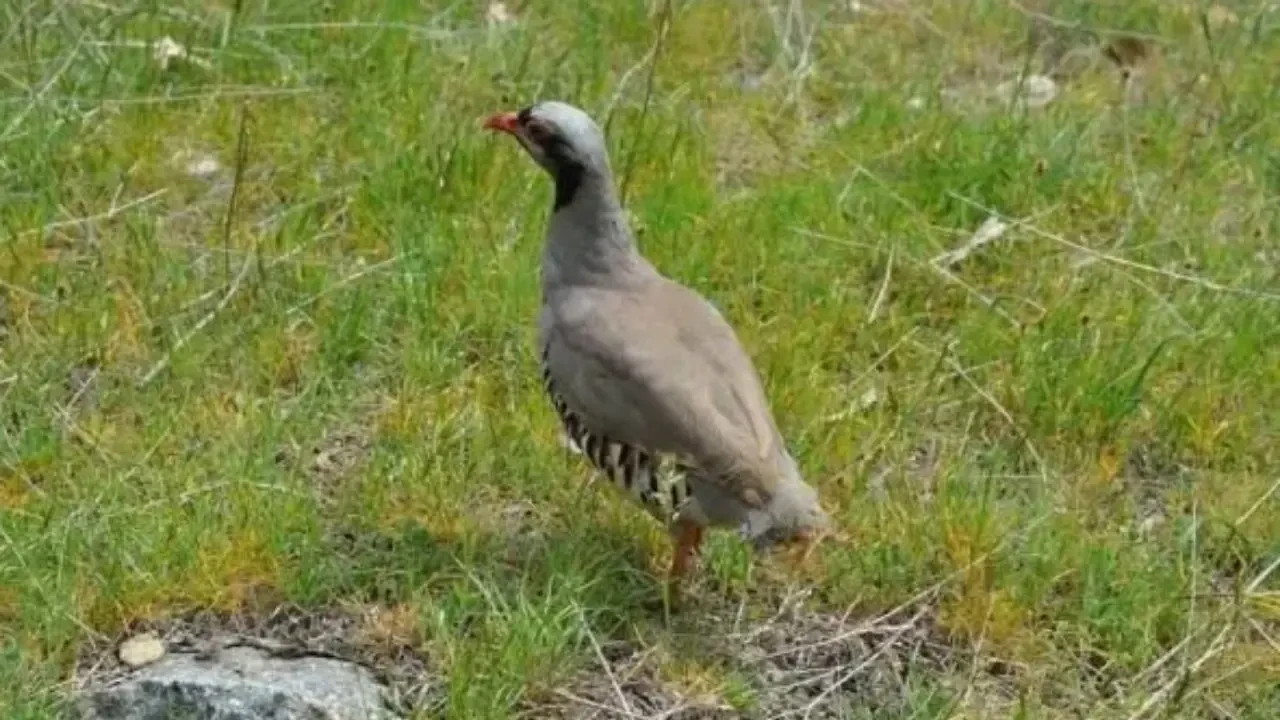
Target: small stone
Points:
(166, 50)
(877, 483)
(1035, 90)
(1149, 524)
(141, 650)
(750, 81)
(204, 168)
(498, 14)
(869, 399)
(198, 165)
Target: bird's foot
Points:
(688, 544)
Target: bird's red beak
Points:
(506, 122)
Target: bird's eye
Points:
(538, 132)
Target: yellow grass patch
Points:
(230, 572)
(14, 491)
(698, 682)
(394, 626)
(129, 320)
(8, 604)
(976, 609)
(285, 356)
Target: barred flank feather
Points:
(660, 486)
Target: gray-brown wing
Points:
(662, 370)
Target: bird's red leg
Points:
(688, 540)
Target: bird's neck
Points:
(588, 236)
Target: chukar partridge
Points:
(647, 377)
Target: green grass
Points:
(1073, 445)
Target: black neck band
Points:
(568, 180)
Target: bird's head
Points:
(561, 138)
(791, 518)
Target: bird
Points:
(647, 377)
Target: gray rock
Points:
(240, 683)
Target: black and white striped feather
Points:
(658, 483)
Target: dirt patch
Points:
(1151, 474)
(826, 667)
(82, 386)
(630, 687)
(798, 663)
(287, 631)
(337, 454)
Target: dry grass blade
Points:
(424, 31)
(369, 270)
(920, 596)
(1262, 576)
(112, 213)
(620, 712)
(1077, 25)
(1125, 262)
(620, 88)
(883, 648)
(1155, 699)
(1167, 656)
(217, 94)
(604, 662)
(878, 303)
(1004, 413)
(977, 294)
(1244, 517)
(71, 56)
(992, 229)
(167, 358)
(1266, 636)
